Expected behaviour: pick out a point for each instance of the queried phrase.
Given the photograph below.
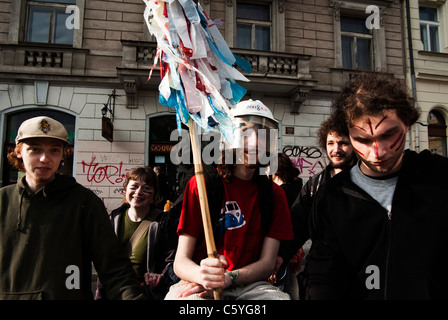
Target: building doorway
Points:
(437, 133)
(160, 145)
(13, 120)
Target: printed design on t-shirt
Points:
(231, 217)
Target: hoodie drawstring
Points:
(19, 218)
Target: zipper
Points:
(389, 236)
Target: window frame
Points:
(277, 35)
(254, 24)
(355, 36)
(428, 24)
(18, 25)
(378, 43)
(53, 6)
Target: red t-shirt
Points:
(242, 240)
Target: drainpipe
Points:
(411, 63)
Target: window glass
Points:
(357, 25)
(347, 49)
(424, 37)
(244, 40)
(434, 37)
(428, 14)
(262, 36)
(363, 53)
(253, 12)
(38, 24)
(62, 34)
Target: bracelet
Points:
(233, 275)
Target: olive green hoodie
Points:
(49, 240)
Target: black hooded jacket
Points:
(361, 251)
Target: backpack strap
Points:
(138, 233)
(265, 194)
(152, 238)
(215, 195)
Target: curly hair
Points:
(334, 124)
(373, 94)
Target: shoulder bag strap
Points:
(152, 239)
(142, 227)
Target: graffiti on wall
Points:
(113, 174)
(308, 160)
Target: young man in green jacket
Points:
(52, 228)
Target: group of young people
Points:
(376, 216)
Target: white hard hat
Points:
(254, 111)
(253, 115)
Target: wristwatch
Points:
(233, 275)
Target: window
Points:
(356, 44)
(254, 26)
(429, 28)
(437, 133)
(46, 22)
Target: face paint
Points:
(378, 124)
(358, 152)
(401, 138)
(379, 142)
(375, 148)
(360, 128)
(369, 122)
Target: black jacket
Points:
(160, 249)
(353, 233)
(301, 209)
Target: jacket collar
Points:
(344, 183)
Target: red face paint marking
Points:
(370, 126)
(401, 143)
(376, 127)
(359, 152)
(360, 128)
(375, 148)
(400, 137)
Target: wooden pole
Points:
(202, 191)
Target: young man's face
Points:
(41, 158)
(339, 150)
(379, 142)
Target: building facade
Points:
(427, 65)
(77, 60)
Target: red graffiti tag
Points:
(114, 174)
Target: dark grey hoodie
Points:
(49, 240)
